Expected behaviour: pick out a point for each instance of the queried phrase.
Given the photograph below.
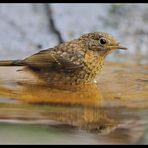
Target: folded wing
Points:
(51, 59)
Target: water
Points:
(131, 130)
(107, 112)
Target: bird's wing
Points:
(55, 60)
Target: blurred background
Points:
(28, 28)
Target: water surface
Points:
(111, 111)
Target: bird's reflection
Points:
(75, 105)
(86, 95)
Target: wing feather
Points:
(56, 60)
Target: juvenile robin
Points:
(77, 61)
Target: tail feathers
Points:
(11, 63)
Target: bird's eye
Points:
(102, 41)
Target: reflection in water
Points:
(68, 95)
(74, 105)
(78, 106)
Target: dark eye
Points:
(102, 41)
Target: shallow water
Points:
(112, 111)
(130, 131)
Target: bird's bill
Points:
(117, 47)
(122, 47)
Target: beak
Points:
(117, 47)
(122, 47)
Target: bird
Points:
(73, 62)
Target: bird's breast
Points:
(92, 66)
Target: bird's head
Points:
(101, 43)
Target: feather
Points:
(50, 59)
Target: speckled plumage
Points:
(77, 61)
